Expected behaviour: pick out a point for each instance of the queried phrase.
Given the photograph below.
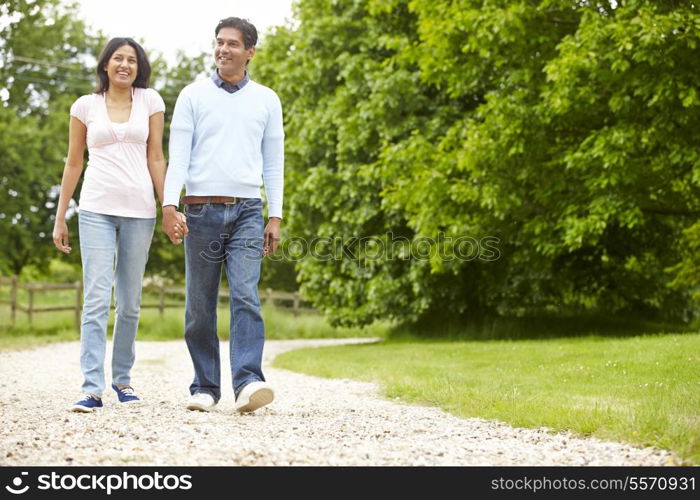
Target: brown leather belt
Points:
(196, 200)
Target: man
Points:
(226, 138)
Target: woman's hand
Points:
(60, 236)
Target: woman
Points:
(122, 124)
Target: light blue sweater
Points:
(224, 144)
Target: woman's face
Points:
(122, 67)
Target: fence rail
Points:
(266, 296)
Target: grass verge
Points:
(643, 389)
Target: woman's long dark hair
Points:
(143, 73)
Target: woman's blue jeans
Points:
(114, 250)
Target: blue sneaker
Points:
(126, 395)
(86, 405)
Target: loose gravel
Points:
(312, 421)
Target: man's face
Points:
(230, 52)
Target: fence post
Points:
(30, 310)
(78, 303)
(14, 299)
(268, 297)
(297, 296)
(161, 299)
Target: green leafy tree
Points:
(44, 50)
(565, 131)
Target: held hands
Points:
(271, 238)
(60, 235)
(174, 224)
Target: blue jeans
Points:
(113, 250)
(231, 235)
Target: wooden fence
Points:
(266, 296)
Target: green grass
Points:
(59, 326)
(574, 324)
(643, 389)
(279, 324)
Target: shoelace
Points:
(127, 391)
(88, 397)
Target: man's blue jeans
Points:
(113, 250)
(230, 234)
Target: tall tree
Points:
(566, 131)
(44, 50)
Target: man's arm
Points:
(180, 147)
(181, 132)
(273, 174)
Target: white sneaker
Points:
(253, 396)
(201, 401)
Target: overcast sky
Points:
(166, 26)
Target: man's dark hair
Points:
(250, 34)
(143, 71)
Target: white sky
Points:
(168, 25)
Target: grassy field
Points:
(641, 389)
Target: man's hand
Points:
(174, 224)
(271, 239)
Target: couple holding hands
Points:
(226, 141)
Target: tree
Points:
(565, 131)
(43, 52)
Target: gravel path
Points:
(313, 421)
